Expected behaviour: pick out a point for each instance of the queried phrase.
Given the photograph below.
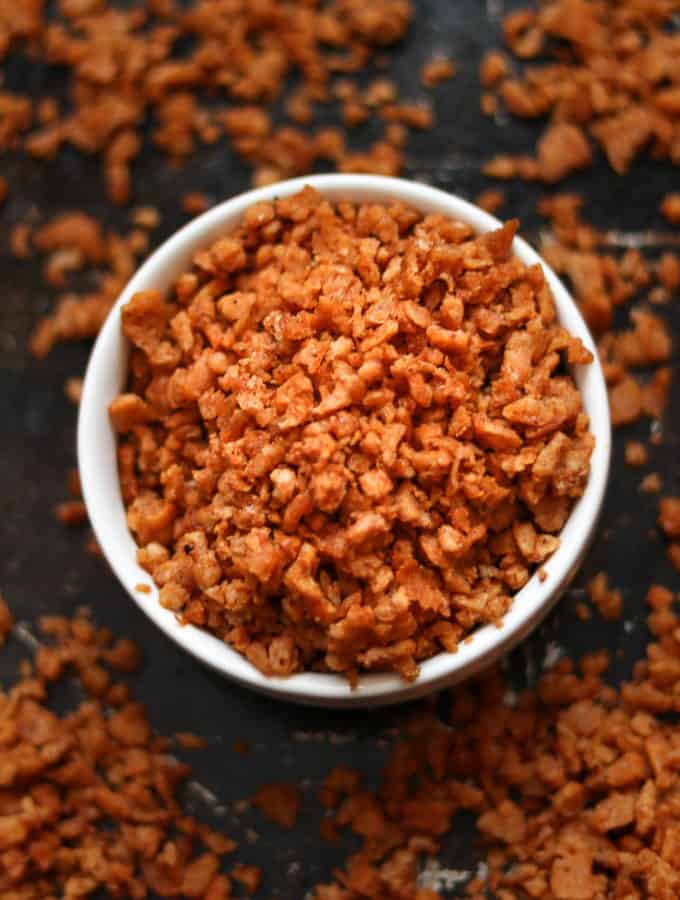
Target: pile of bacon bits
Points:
(574, 786)
(211, 69)
(349, 436)
(604, 72)
(603, 281)
(75, 243)
(89, 798)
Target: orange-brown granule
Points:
(573, 785)
(89, 798)
(602, 281)
(605, 73)
(76, 242)
(348, 437)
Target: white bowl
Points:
(105, 378)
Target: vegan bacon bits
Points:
(90, 799)
(206, 70)
(574, 786)
(349, 436)
(605, 72)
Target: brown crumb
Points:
(669, 516)
(670, 208)
(249, 876)
(674, 554)
(71, 512)
(189, 741)
(195, 203)
(651, 483)
(636, 454)
(583, 612)
(4, 190)
(436, 70)
(490, 201)
(73, 388)
(609, 602)
(145, 217)
(280, 803)
(142, 588)
(6, 620)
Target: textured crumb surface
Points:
(350, 436)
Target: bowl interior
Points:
(106, 375)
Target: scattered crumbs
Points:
(73, 389)
(670, 208)
(241, 747)
(583, 612)
(71, 512)
(651, 484)
(252, 837)
(142, 588)
(635, 454)
(490, 201)
(190, 741)
(436, 70)
(195, 203)
(542, 575)
(607, 600)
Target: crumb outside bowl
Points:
(106, 375)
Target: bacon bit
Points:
(195, 203)
(608, 602)
(670, 208)
(71, 512)
(279, 802)
(438, 69)
(189, 741)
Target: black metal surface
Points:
(44, 568)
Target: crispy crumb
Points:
(636, 454)
(583, 612)
(280, 803)
(670, 208)
(609, 602)
(651, 483)
(491, 201)
(71, 512)
(248, 876)
(195, 203)
(189, 741)
(436, 70)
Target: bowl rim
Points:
(101, 491)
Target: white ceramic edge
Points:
(104, 379)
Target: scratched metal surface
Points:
(43, 567)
